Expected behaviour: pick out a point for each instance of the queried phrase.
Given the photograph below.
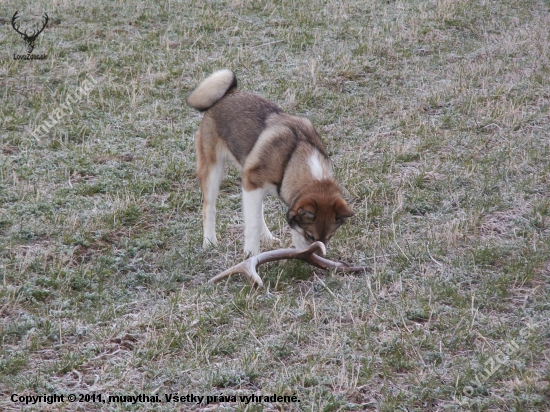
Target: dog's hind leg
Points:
(210, 195)
(210, 165)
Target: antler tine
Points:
(43, 27)
(248, 267)
(13, 23)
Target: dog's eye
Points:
(309, 237)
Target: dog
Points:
(278, 154)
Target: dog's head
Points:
(316, 215)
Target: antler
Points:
(34, 36)
(18, 25)
(28, 39)
(248, 267)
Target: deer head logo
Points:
(28, 39)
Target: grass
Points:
(435, 114)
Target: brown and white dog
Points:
(278, 153)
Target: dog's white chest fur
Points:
(317, 166)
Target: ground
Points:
(435, 114)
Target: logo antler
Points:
(28, 39)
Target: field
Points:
(436, 117)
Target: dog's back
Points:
(239, 118)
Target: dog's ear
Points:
(301, 212)
(342, 211)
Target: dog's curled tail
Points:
(212, 89)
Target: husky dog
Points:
(278, 154)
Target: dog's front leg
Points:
(253, 220)
(266, 235)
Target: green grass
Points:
(435, 114)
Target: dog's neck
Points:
(304, 169)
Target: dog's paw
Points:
(207, 243)
(270, 238)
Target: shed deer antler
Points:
(248, 267)
(28, 39)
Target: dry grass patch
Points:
(435, 113)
